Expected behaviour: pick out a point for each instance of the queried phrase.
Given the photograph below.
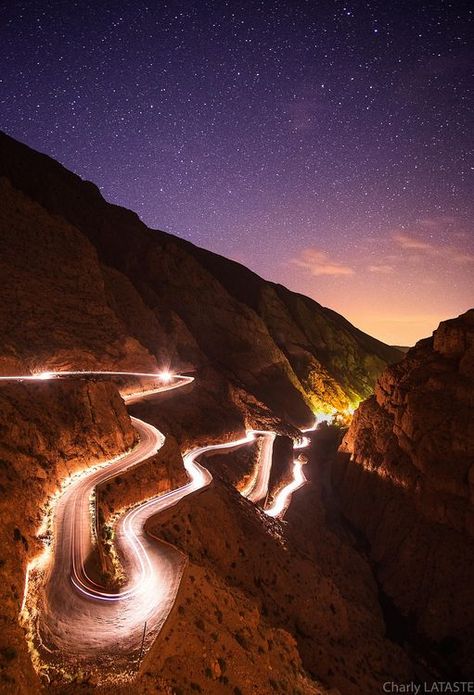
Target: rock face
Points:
(405, 477)
(48, 431)
(162, 472)
(108, 290)
(54, 312)
(217, 642)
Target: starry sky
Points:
(325, 145)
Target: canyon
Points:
(295, 604)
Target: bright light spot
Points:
(350, 410)
(165, 376)
(325, 417)
(44, 376)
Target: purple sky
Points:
(323, 144)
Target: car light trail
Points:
(57, 584)
(257, 487)
(283, 498)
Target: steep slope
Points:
(405, 478)
(54, 311)
(324, 349)
(48, 431)
(283, 349)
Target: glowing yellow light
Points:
(165, 376)
(350, 410)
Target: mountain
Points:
(405, 480)
(89, 284)
(263, 606)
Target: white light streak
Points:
(147, 594)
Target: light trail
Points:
(283, 497)
(44, 376)
(58, 588)
(257, 487)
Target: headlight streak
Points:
(257, 488)
(283, 497)
(199, 478)
(77, 490)
(41, 560)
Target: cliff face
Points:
(405, 477)
(162, 472)
(145, 295)
(48, 431)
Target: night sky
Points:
(325, 145)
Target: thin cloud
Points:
(319, 263)
(438, 223)
(384, 269)
(447, 253)
(459, 256)
(408, 242)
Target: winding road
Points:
(65, 610)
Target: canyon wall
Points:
(54, 312)
(405, 478)
(88, 286)
(48, 431)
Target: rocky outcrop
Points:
(405, 477)
(218, 642)
(48, 431)
(281, 473)
(157, 294)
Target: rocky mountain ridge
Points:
(162, 300)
